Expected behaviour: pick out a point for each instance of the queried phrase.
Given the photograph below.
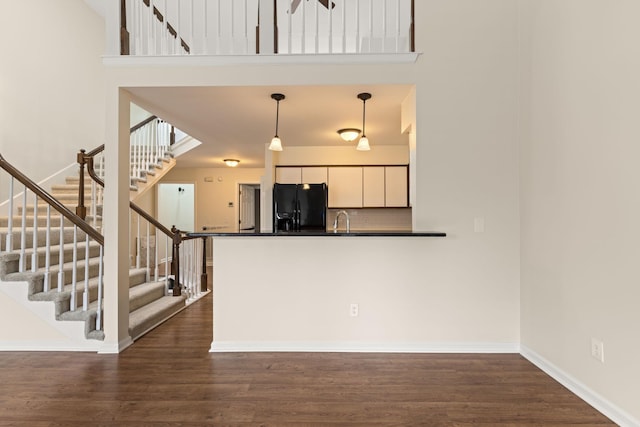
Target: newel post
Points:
(81, 209)
(175, 261)
(203, 276)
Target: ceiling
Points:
(237, 121)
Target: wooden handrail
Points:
(62, 209)
(174, 234)
(171, 30)
(142, 123)
(137, 209)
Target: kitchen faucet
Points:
(335, 222)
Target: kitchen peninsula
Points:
(324, 291)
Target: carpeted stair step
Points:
(42, 208)
(67, 236)
(42, 220)
(152, 314)
(54, 254)
(70, 188)
(145, 293)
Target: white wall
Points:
(297, 295)
(466, 152)
(52, 86)
(213, 196)
(579, 185)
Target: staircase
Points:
(63, 284)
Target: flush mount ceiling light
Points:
(232, 163)
(363, 144)
(276, 144)
(349, 134)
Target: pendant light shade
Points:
(276, 144)
(363, 144)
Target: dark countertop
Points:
(341, 233)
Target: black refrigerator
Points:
(299, 207)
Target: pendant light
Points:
(363, 144)
(276, 144)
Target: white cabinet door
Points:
(314, 175)
(345, 187)
(289, 175)
(373, 187)
(396, 186)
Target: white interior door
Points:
(247, 203)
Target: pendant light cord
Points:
(277, 116)
(364, 107)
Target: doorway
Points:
(249, 207)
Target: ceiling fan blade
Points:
(294, 6)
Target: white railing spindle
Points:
(148, 265)
(9, 240)
(23, 232)
(99, 308)
(156, 271)
(74, 269)
(138, 244)
(34, 254)
(85, 294)
(61, 277)
(47, 255)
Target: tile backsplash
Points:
(373, 219)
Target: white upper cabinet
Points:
(289, 175)
(345, 187)
(373, 187)
(314, 175)
(396, 186)
(354, 186)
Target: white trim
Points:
(608, 409)
(360, 347)
(279, 59)
(115, 348)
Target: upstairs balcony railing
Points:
(248, 27)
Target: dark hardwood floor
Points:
(168, 378)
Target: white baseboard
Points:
(607, 408)
(361, 347)
(114, 348)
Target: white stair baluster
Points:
(9, 241)
(85, 294)
(47, 255)
(34, 254)
(138, 245)
(99, 308)
(61, 277)
(74, 269)
(148, 265)
(155, 251)
(23, 232)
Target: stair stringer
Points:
(35, 327)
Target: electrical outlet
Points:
(597, 349)
(353, 310)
